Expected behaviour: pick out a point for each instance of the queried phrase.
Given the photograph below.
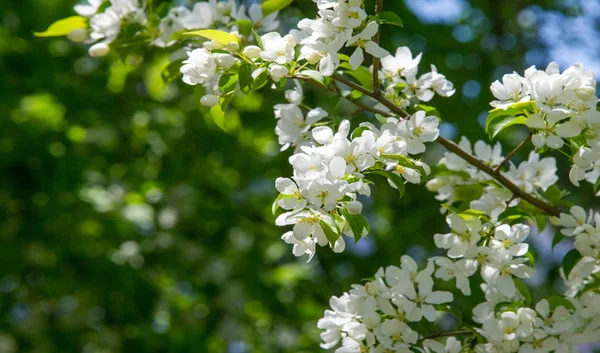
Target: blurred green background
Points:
(130, 221)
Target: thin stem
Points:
(376, 61)
(381, 99)
(447, 334)
(368, 108)
(452, 147)
(551, 210)
(512, 153)
(334, 89)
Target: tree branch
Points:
(349, 99)
(381, 99)
(512, 153)
(376, 61)
(452, 147)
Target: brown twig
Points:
(512, 153)
(376, 61)
(335, 89)
(452, 147)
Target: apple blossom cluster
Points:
(226, 15)
(403, 87)
(381, 315)
(586, 163)
(584, 228)
(322, 196)
(457, 175)
(293, 127)
(378, 316)
(205, 68)
(338, 24)
(565, 107)
(104, 27)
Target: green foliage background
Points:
(130, 221)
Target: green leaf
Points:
(531, 257)
(358, 131)
(514, 214)
(499, 119)
(558, 237)
(540, 222)
(358, 224)
(429, 110)
(271, 6)
(343, 57)
(502, 122)
(63, 27)
(524, 290)
(260, 81)
(569, 261)
(172, 71)
(245, 26)
(506, 306)
(228, 82)
(361, 74)
(218, 115)
(442, 170)
(556, 301)
(245, 77)
(452, 310)
(275, 206)
(329, 233)
(451, 208)
(213, 34)
(393, 177)
(390, 18)
(257, 38)
(555, 196)
(406, 162)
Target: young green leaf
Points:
(172, 71)
(540, 222)
(556, 301)
(452, 310)
(570, 260)
(271, 6)
(394, 178)
(358, 224)
(524, 290)
(63, 27)
(390, 18)
(331, 235)
(558, 237)
(500, 119)
(245, 77)
(213, 34)
(228, 82)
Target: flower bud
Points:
(224, 60)
(232, 47)
(77, 35)
(290, 39)
(99, 49)
(223, 8)
(212, 45)
(209, 100)
(354, 207)
(312, 56)
(252, 51)
(237, 35)
(278, 72)
(585, 93)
